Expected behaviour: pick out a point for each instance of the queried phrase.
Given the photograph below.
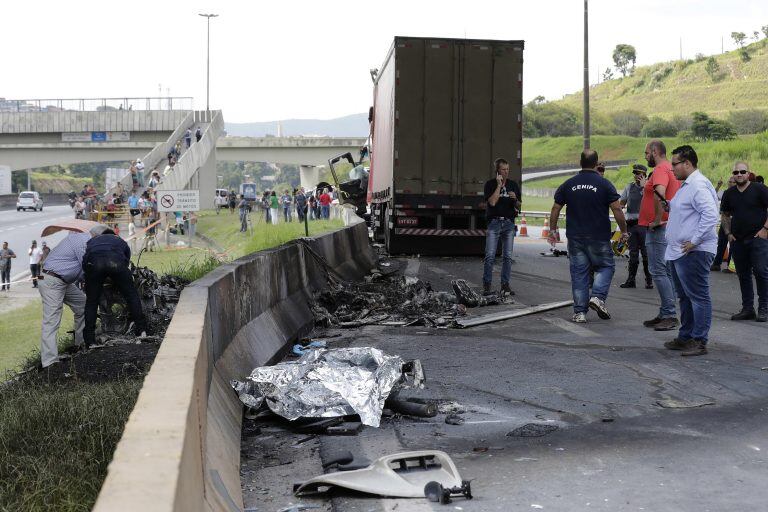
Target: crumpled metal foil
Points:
(326, 383)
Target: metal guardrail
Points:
(97, 104)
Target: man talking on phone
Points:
(502, 198)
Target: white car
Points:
(29, 200)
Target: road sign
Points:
(178, 200)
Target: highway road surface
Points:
(20, 228)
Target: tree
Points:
(738, 38)
(623, 56)
(744, 54)
(712, 68)
(628, 122)
(607, 74)
(764, 28)
(707, 128)
(756, 35)
(749, 121)
(658, 127)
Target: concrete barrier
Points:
(180, 450)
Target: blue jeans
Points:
(503, 229)
(691, 277)
(585, 255)
(751, 257)
(661, 270)
(325, 211)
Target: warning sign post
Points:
(178, 201)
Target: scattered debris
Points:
(532, 430)
(298, 508)
(394, 301)
(506, 315)
(401, 475)
(454, 419)
(435, 492)
(300, 348)
(330, 383)
(412, 408)
(671, 403)
(555, 253)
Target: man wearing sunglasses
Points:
(691, 247)
(745, 221)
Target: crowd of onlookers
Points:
(307, 205)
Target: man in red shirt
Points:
(325, 204)
(659, 189)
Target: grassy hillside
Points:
(716, 158)
(544, 151)
(680, 87)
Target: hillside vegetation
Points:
(679, 87)
(716, 158)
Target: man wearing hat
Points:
(630, 199)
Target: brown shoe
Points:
(680, 344)
(652, 322)
(699, 349)
(666, 324)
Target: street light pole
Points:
(586, 75)
(208, 61)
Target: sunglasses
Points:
(739, 171)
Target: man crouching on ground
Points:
(588, 229)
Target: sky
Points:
(308, 59)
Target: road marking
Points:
(438, 270)
(412, 268)
(571, 327)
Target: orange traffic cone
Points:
(523, 227)
(545, 231)
(726, 254)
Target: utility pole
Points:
(208, 62)
(586, 74)
(681, 48)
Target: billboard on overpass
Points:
(5, 180)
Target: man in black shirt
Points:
(743, 219)
(502, 197)
(108, 256)
(588, 229)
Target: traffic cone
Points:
(545, 231)
(523, 227)
(726, 254)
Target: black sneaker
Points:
(487, 289)
(762, 315)
(628, 284)
(715, 268)
(744, 314)
(506, 289)
(649, 285)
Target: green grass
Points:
(545, 151)
(224, 229)
(716, 158)
(20, 335)
(56, 440)
(672, 88)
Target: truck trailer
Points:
(443, 111)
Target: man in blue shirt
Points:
(588, 196)
(62, 269)
(691, 247)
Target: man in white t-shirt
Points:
(35, 253)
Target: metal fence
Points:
(97, 104)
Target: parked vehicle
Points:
(443, 110)
(29, 200)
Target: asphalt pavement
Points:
(20, 228)
(559, 416)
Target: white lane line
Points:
(412, 268)
(578, 330)
(438, 270)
